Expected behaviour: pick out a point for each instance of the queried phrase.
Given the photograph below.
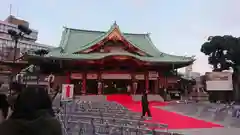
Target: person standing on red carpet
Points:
(145, 105)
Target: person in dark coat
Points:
(4, 107)
(16, 88)
(145, 104)
(32, 115)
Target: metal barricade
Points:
(105, 118)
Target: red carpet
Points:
(174, 120)
(120, 98)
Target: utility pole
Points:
(16, 36)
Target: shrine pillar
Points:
(156, 85)
(165, 82)
(132, 85)
(161, 82)
(84, 82)
(146, 77)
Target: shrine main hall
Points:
(108, 62)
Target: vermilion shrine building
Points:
(99, 62)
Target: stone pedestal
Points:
(99, 88)
(199, 96)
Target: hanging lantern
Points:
(19, 78)
(135, 84)
(51, 78)
(99, 85)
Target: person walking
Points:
(145, 105)
(32, 115)
(56, 99)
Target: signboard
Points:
(139, 76)
(219, 81)
(79, 76)
(76, 76)
(35, 80)
(153, 74)
(116, 76)
(67, 92)
(92, 76)
(30, 78)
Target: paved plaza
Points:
(209, 131)
(214, 113)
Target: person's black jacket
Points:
(32, 115)
(42, 124)
(144, 100)
(4, 105)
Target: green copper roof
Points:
(75, 40)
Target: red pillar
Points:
(146, 82)
(156, 88)
(166, 81)
(84, 83)
(133, 80)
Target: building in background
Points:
(7, 45)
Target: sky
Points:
(177, 27)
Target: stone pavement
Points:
(209, 131)
(208, 112)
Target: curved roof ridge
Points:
(99, 31)
(65, 38)
(135, 33)
(85, 30)
(183, 56)
(124, 36)
(151, 43)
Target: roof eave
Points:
(178, 62)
